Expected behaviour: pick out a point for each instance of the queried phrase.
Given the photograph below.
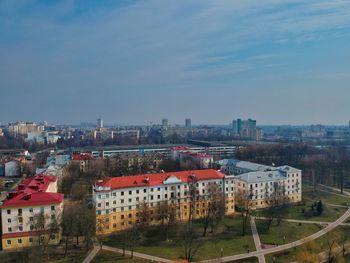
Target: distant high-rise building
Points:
(188, 123)
(236, 126)
(165, 123)
(246, 129)
(100, 123)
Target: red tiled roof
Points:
(81, 156)
(180, 148)
(36, 183)
(158, 179)
(19, 234)
(33, 199)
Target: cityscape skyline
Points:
(207, 60)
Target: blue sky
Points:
(135, 62)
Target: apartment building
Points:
(264, 185)
(118, 199)
(34, 198)
(182, 154)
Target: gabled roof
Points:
(39, 182)
(81, 156)
(33, 199)
(157, 179)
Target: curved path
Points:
(280, 248)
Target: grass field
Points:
(286, 232)
(321, 244)
(109, 257)
(330, 213)
(226, 237)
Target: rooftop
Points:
(157, 179)
(33, 199)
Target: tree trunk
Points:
(66, 247)
(205, 230)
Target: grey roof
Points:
(260, 176)
(245, 165)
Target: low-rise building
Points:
(118, 199)
(264, 185)
(182, 154)
(32, 213)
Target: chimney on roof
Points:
(12, 195)
(35, 187)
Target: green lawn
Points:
(317, 246)
(330, 213)
(291, 232)
(109, 257)
(330, 196)
(226, 237)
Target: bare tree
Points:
(46, 228)
(166, 213)
(143, 215)
(190, 242)
(244, 205)
(276, 200)
(214, 207)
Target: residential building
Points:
(35, 197)
(83, 160)
(264, 184)
(118, 199)
(100, 123)
(188, 123)
(12, 168)
(23, 128)
(246, 129)
(182, 154)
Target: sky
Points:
(136, 62)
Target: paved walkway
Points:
(93, 252)
(136, 254)
(306, 221)
(256, 238)
(277, 249)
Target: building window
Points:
(52, 208)
(20, 228)
(31, 219)
(30, 210)
(20, 211)
(130, 192)
(137, 191)
(30, 240)
(9, 229)
(9, 220)
(41, 209)
(8, 211)
(8, 242)
(20, 220)
(31, 227)
(122, 193)
(19, 241)
(145, 190)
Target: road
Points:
(277, 249)
(256, 238)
